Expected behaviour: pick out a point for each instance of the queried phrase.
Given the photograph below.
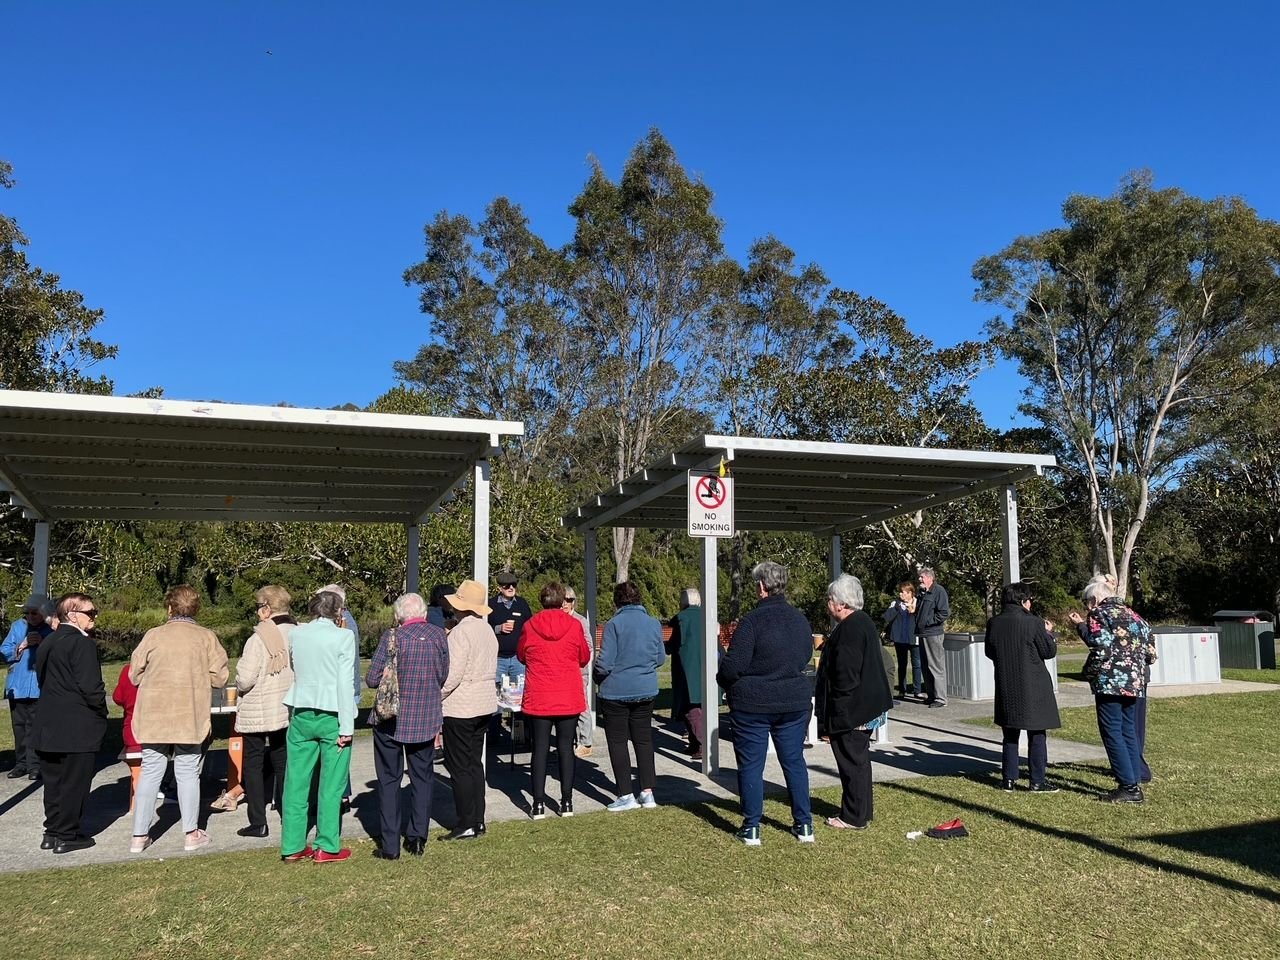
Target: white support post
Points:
(1009, 535)
(590, 587)
(835, 562)
(480, 532)
(710, 659)
(40, 559)
(412, 557)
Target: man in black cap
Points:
(510, 614)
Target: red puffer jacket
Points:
(554, 651)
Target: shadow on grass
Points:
(1252, 845)
(1115, 850)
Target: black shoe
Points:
(566, 808)
(480, 829)
(260, 833)
(415, 846)
(1045, 787)
(461, 833)
(345, 806)
(1008, 786)
(380, 854)
(70, 846)
(539, 811)
(47, 842)
(933, 704)
(33, 775)
(16, 772)
(1122, 794)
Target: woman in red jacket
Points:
(554, 651)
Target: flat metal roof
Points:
(68, 456)
(804, 485)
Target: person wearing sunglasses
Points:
(71, 720)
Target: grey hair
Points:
(326, 605)
(408, 606)
(929, 572)
(692, 597)
(773, 576)
(48, 609)
(846, 590)
(1099, 589)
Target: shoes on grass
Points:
(647, 800)
(803, 832)
(1008, 786)
(627, 801)
(839, 824)
(1045, 787)
(750, 836)
(1124, 794)
(324, 856)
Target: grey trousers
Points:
(186, 770)
(934, 656)
(586, 721)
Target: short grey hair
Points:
(1098, 589)
(692, 597)
(846, 590)
(408, 606)
(772, 575)
(928, 572)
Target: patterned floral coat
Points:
(1121, 647)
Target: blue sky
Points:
(244, 217)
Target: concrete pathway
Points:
(923, 742)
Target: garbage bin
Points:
(970, 675)
(1246, 639)
(1185, 655)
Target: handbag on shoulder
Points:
(386, 702)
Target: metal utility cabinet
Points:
(1185, 655)
(970, 675)
(1246, 639)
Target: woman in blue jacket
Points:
(627, 671)
(21, 688)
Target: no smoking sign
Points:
(710, 504)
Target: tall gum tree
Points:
(1134, 324)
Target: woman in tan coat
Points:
(174, 666)
(470, 699)
(263, 677)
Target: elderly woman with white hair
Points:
(853, 698)
(419, 652)
(1121, 650)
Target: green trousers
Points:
(312, 739)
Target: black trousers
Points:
(67, 779)
(263, 753)
(464, 759)
(390, 759)
(623, 720)
(22, 713)
(565, 728)
(854, 763)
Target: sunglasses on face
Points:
(91, 613)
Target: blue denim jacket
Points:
(21, 684)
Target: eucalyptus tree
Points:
(1136, 324)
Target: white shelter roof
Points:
(804, 485)
(67, 456)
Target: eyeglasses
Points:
(91, 613)
(570, 599)
(506, 586)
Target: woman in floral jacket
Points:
(1121, 648)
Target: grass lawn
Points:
(1193, 873)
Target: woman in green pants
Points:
(321, 720)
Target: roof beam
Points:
(242, 516)
(20, 492)
(926, 503)
(188, 454)
(50, 474)
(675, 481)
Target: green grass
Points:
(1193, 873)
(1257, 676)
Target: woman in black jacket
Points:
(853, 698)
(1018, 642)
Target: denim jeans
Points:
(751, 733)
(509, 667)
(1117, 723)
(904, 651)
(1037, 753)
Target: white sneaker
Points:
(138, 844)
(646, 800)
(627, 801)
